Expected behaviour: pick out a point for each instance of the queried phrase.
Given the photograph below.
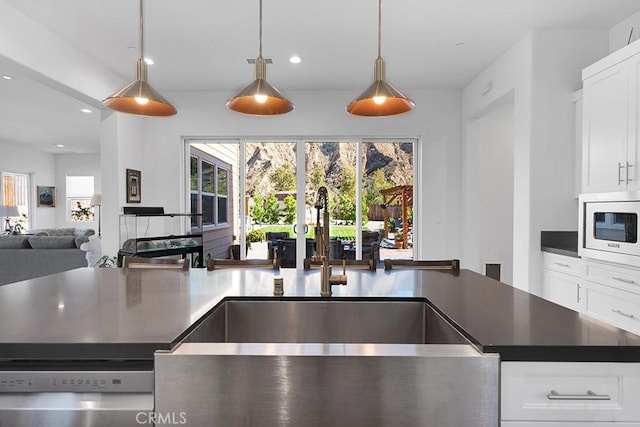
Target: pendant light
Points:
(260, 98)
(139, 97)
(380, 99)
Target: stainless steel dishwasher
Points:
(327, 363)
(75, 393)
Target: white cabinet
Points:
(562, 278)
(610, 121)
(577, 108)
(569, 394)
(612, 294)
(605, 291)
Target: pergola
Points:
(403, 195)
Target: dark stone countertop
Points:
(118, 314)
(560, 242)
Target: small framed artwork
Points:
(46, 196)
(134, 186)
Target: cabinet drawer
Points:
(563, 264)
(563, 289)
(619, 277)
(616, 307)
(548, 391)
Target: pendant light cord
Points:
(379, 25)
(141, 32)
(260, 51)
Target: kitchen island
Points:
(121, 318)
(118, 314)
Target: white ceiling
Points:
(204, 44)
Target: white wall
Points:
(41, 166)
(489, 161)
(75, 165)
(542, 70)
(435, 121)
(509, 76)
(122, 147)
(619, 34)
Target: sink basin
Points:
(327, 363)
(319, 321)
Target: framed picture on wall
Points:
(134, 186)
(46, 196)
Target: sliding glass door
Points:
(370, 198)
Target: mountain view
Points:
(335, 159)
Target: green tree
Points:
(317, 177)
(346, 201)
(257, 210)
(346, 209)
(272, 210)
(283, 178)
(289, 209)
(373, 185)
(348, 186)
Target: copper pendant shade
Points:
(380, 99)
(260, 98)
(138, 97)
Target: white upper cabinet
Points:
(610, 122)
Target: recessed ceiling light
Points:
(59, 145)
(7, 77)
(86, 110)
(149, 61)
(295, 59)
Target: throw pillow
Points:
(14, 242)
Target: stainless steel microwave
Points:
(608, 228)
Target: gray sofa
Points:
(41, 252)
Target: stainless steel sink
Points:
(327, 363)
(316, 321)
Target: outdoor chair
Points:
(272, 241)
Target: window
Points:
(209, 187)
(79, 192)
(277, 181)
(15, 192)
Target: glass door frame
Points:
(300, 142)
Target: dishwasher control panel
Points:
(76, 381)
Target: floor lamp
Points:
(96, 200)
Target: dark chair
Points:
(217, 264)
(272, 241)
(448, 264)
(287, 251)
(370, 247)
(156, 263)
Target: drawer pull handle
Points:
(554, 395)
(562, 265)
(622, 313)
(623, 280)
(620, 167)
